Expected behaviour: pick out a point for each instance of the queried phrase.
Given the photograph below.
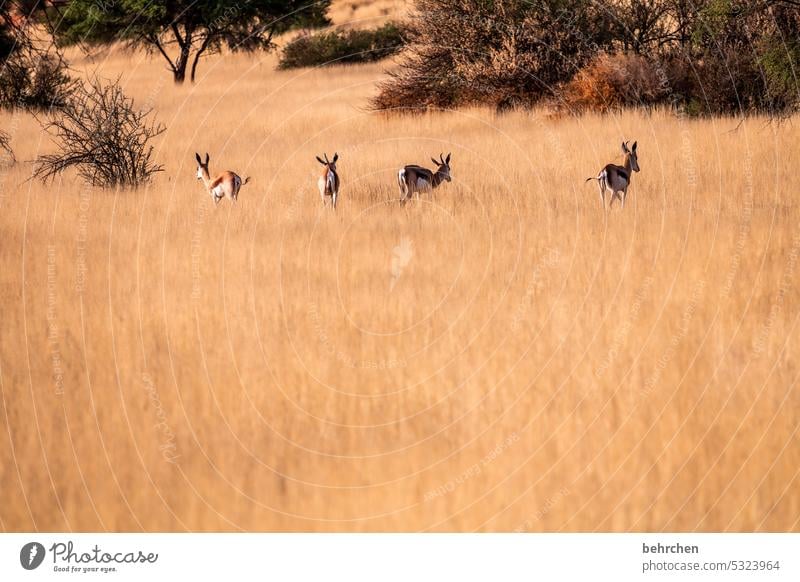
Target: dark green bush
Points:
(338, 47)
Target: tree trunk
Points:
(185, 44)
(180, 67)
(199, 53)
(179, 75)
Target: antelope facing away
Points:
(414, 179)
(328, 183)
(615, 178)
(225, 184)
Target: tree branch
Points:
(198, 54)
(155, 41)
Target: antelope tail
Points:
(401, 180)
(246, 180)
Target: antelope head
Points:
(443, 166)
(631, 154)
(202, 167)
(330, 163)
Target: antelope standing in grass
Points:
(328, 183)
(414, 179)
(225, 184)
(615, 178)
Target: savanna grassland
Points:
(501, 355)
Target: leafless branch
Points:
(102, 135)
(5, 146)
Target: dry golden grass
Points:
(367, 13)
(503, 355)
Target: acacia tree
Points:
(183, 31)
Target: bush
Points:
(703, 57)
(505, 53)
(34, 80)
(727, 81)
(611, 82)
(102, 134)
(337, 47)
(779, 61)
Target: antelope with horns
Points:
(414, 179)
(615, 178)
(225, 184)
(328, 183)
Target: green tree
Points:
(183, 31)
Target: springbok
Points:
(414, 179)
(328, 183)
(226, 184)
(615, 178)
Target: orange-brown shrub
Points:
(613, 81)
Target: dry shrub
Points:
(614, 81)
(411, 89)
(506, 54)
(100, 132)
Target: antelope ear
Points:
(447, 160)
(197, 157)
(207, 158)
(624, 148)
(335, 157)
(435, 162)
(634, 146)
(319, 159)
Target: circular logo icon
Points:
(31, 555)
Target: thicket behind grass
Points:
(337, 47)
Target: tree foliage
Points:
(183, 31)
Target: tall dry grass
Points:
(502, 355)
(367, 13)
